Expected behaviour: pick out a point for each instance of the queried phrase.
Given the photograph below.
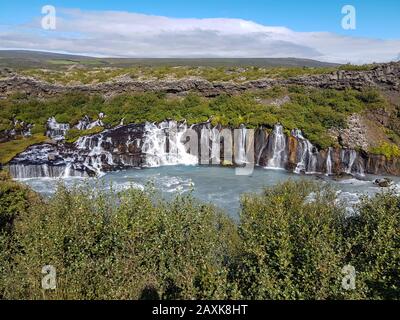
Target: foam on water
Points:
(217, 185)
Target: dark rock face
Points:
(380, 165)
(384, 76)
(112, 149)
(169, 143)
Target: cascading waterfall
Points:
(163, 145)
(87, 124)
(35, 162)
(240, 147)
(55, 130)
(307, 156)
(352, 163)
(216, 146)
(95, 145)
(279, 156)
(348, 158)
(168, 143)
(329, 170)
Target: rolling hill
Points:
(22, 59)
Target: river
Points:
(212, 184)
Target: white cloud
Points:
(124, 34)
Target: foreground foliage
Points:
(292, 243)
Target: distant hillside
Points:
(20, 59)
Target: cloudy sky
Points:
(118, 28)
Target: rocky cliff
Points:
(171, 143)
(384, 76)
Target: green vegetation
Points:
(314, 111)
(352, 67)
(74, 134)
(389, 150)
(83, 75)
(292, 243)
(10, 149)
(15, 199)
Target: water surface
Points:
(217, 185)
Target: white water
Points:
(215, 137)
(163, 145)
(348, 158)
(170, 143)
(279, 156)
(217, 185)
(329, 170)
(55, 130)
(308, 158)
(87, 124)
(95, 146)
(240, 147)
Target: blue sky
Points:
(378, 19)
(378, 26)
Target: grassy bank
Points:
(10, 149)
(134, 245)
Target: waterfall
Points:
(307, 157)
(55, 130)
(163, 145)
(329, 170)
(216, 146)
(26, 171)
(172, 143)
(352, 163)
(240, 146)
(87, 124)
(45, 161)
(348, 158)
(67, 171)
(279, 155)
(95, 145)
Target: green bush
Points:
(389, 150)
(174, 250)
(375, 239)
(15, 199)
(292, 242)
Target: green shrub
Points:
(292, 243)
(375, 236)
(74, 134)
(176, 250)
(15, 200)
(389, 150)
